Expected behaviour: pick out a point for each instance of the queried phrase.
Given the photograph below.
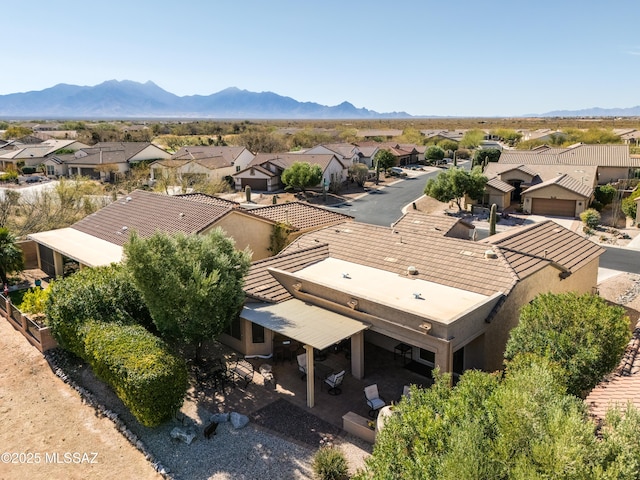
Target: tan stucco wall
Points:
(546, 280)
(248, 231)
(554, 192)
(502, 200)
(611, 174)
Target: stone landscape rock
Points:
(183, 435)
(238, 420)
(219, 417)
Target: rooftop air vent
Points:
(411, 270)
(490, 254)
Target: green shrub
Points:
(597, 205)
(629, 206)
(104, 294)
(34, 300)
(28, 170)
(605, 194)
(329, 463)
(146, 376)
(590, 217)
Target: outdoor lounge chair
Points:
(334, 381)
(302, 364)
(374, 400)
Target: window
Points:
(237, 168)
(234, 329)
(257, 333)
(50, 170)
(428, 357)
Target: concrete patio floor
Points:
(381, 368)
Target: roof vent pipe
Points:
(411, 270)
(490, 254)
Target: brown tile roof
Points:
(448, 261)
(285, 160)
(499, 185)
(598, 155)
(621, 387)
(564, 181)
(98, 157)
(146, 212)
(528, 249)
(300, 216)
(194, 152)
(424, 224)
(210, 199)
(130, 148)
(261, 285)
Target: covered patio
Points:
(317, 330)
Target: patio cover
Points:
(84, 248)
(306, 323)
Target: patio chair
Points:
(374, 400)
(334, 381)
(302, 364)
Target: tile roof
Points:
(98, 157)
(210, 199)
(423, 224)
(193, 152)
(564, 181)
(499, 185)
(530, 248)
(130, 149)
(586, 174)
(285, 160)
(449, 261)
(261, 285)
(146, 212)
(598, 155)
(299, 215)
(621, 387)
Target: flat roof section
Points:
(82, 247)
(303, 322)
(437, 302)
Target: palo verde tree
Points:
(191, 284)
(434, 154)
(582, 334)
(454, 184)
(11, 259)
(302, 175)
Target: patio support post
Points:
(310, 376)
(357, 355)
(58, 263)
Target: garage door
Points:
(558, 208)
(255, 183)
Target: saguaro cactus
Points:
(493, 217)
(247, 193)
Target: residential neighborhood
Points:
(330, 306)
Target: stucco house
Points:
(264, 171)
(104, 160)
(561, 181)
(33, 155)
(239, 157)
(97, 239)
(419, 287)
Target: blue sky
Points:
(460, 58)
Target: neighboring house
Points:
(104, 160)
(436, 136)
(239, 157)
(98, 238)
(33, 155)
(348, 153)
(613, 162)
(451, 301)
(542, 135)
(192, 171)
(404, 156)
(561, 181)
(264, 171)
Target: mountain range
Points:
(128, 99)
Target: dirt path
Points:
(44, 419)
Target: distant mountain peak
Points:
(130, 99)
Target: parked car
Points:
(397, 172)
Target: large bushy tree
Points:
(192, 284)
(383, 160)
(487, 427)
(582, 334)
(454, 184)
(302, 175)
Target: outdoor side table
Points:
(403, 350)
